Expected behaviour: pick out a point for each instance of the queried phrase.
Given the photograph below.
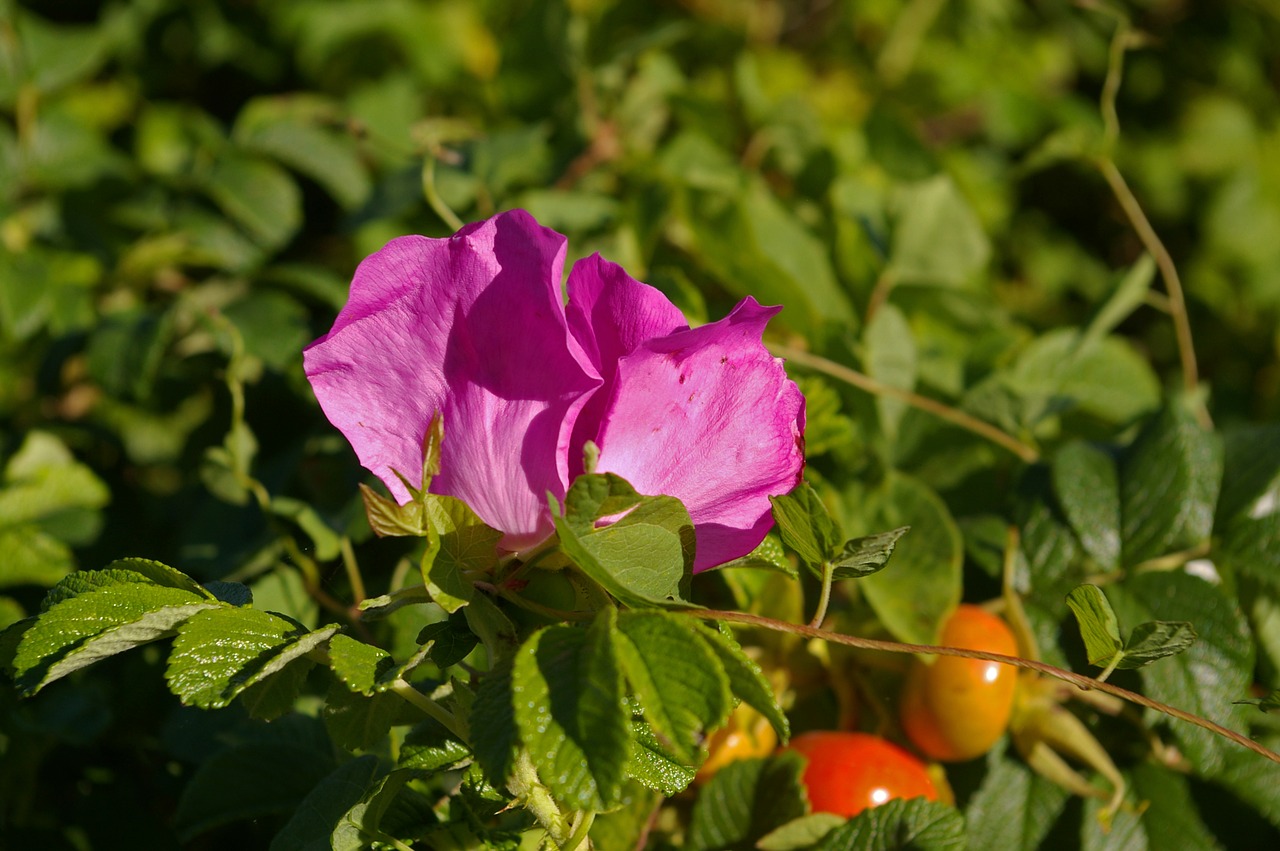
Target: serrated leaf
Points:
(1169, 484)
(1211, 673)
(458, 542)
(567, 690)
(430, 747)
(359, 665)
(388, 518)
(493, 712)
(901, 824)
(494, 629)
(1098, 625)
(100, 623)
(768, 556)
(83, 581)
(804, 832)
(1266, 704)
(746, 680)
(644, 558)
(1014, 808)
(746, 800)
(1169, 819)
(358, 722)
(806, 526)
(1156, 640)
(161, 574)
(313, 821)
(222, 652)
(677, 680)
(364, 820)
(866, 555)
(1087, 485)
(653, 764)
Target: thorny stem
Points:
(1040, 667)
(865, 382)
(528, 789)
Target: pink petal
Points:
(709, 416)
(610, 315)
(472, 326)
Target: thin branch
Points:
(952, 415)
(1040, 667)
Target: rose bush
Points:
(474, 326)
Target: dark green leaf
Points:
(312, 823)
(259, 195)
(768, 556)
(358, 722)
(567, 689)
(1155, 640)
(864, 556)
(451, 641)
(900, 825)
(430, 747)
(493, 716)
(746, 800)
(361, 666)
(746, 680)
(1014, 808)
(801, 833)
(1088, 489)
(364, 820)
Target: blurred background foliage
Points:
(186, 186)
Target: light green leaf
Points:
(387, 518)
(1129, 295)
(676, 679)
(359, 665)
(889, 356)
(866, 555)
(326, 540)
(458, 542)
(937, 238)
(567, 689)
(653, 764)
(1014, 808)
(746, 800)
(645, 558)
(161, 574)
(1098, 624)
(1087, 485)
(430, 747)
(801, 833)
(259, 195)
(768, 556)
(1155, 640)
(43, 478)
(806, 526)
(220, 653)
(901, 824)
(100, 623)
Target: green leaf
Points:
(937, 238)
(1014, 808)
(389, 519)
(1169, 487)
(746, 680)
(867, 555)
(494, 629)
(451, 641)
(1266, 704)
(458, 542)
(924, 586)
(326, 541)
(1087, 486)
(249, 781)
(900, 825)
(1170, 819)
(801, 833)
(362, 667)
(889, 356)
(430, 747)
(806, 526)
(1098, 624)
(161, 574)
(567, 688)
(746, 800)
(655, 765)
(100, 623)
(645, 558)
(1129, 295)
(768, 556)
(677, 680)
(493, 712)
(43, 479)
(1250, 470)
(258, 195)
(358, 722)
(364, 820)
(1211, 673)
(222, 652)
(1155, 640)
(312, 823)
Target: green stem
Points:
(529, 791)
(531, 606)
(428, 706)
(353, 570)
(824, 599)
(581, 829)
(865, 382)
(432, 194)
(1111, 666)
(1017, 662)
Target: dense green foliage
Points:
(962, 201)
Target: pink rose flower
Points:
(475, 326)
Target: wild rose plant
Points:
(474, 327)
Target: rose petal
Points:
(709, 416)
(472, 326)
(611, 314)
